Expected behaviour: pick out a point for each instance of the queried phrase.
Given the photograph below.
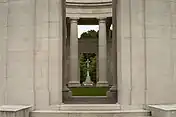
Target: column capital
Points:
(74, 19)
(102, 19)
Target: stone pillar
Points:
(102, 48)
(74, 63)
(56, 52)
(112, 93)
(66, 91)
(113, 89)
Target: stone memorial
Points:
(88, 81)
(37, 37)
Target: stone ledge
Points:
(15, 111)
(13, 108)
(171, 107)
(163, 110)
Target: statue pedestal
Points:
(88, 82)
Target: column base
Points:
(102, 84)
(112, 93)
(74, 84)
(113, 89)
(66, 93)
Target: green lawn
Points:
(89, 91)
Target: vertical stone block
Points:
(56, 36)
(42, 55)
(3, 49)
(159, 33)
(137, 52)
(159, 75)
(20, 61)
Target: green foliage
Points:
(92, 34)
(83, 66)
(91, 91)
(89, 34)
(91, 56)
(93, 69)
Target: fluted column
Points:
(74, 62)
(102, 54)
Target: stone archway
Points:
(102, 21)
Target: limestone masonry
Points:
(39, 54)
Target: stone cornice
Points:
(82, 4)
(89, 10)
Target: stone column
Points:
(102, 56)
(113, 90)
(114, 50)
(112, 93)
(66, 91)
(74, 62)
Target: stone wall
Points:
(146, 51)
(20, 52)
(160, 51)
(31, 47)
(49, 50)
(3, 37)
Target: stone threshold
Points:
(87, 107)
(97, 107)
(119, 113)
(97, 112)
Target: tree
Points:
(83, 66)
(92, 34)
(91, 56)
(93, 68)
(89, 34)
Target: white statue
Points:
(88, 62)
(88, 81)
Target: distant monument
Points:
(88, 81)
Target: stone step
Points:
(89, 100)
(88, 107)
(120, 113)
